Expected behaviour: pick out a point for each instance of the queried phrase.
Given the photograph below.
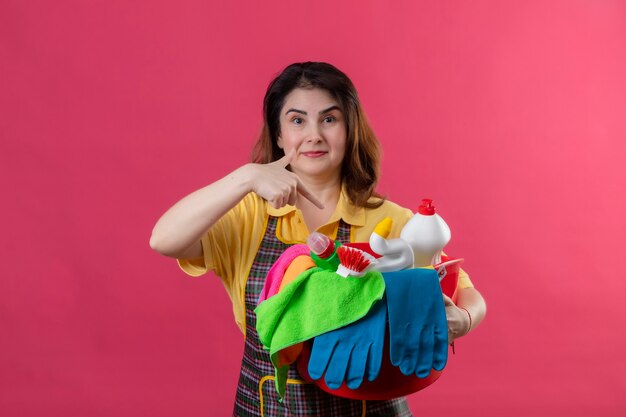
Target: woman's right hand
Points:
(179, 230)
(276, 184)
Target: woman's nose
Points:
(314, 135)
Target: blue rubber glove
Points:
(352, 352)
(418, 329)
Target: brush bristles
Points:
(353, 259)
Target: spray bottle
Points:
(427, 234)
(420, 244)
(323, 251)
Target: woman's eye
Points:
(297, 120)
(329, 119)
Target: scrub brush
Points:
(353, 261)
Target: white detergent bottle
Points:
(427, 234)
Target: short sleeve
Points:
(227, 244)
(229, 248)
(464, 280)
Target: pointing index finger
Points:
(308, 195)
(286, 160)
(301, 188)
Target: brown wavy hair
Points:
(360, 167)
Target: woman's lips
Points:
(314, 154)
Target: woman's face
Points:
(312, 124)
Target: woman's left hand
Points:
(458, 320)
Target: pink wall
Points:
(511, 115)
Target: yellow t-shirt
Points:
(231, 244)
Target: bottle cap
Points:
(427, 208)
(320, 244)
